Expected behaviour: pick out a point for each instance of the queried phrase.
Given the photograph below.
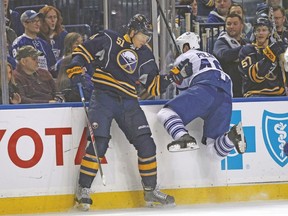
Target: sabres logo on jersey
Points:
(127, 59)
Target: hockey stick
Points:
(91, 133)
(168, 27)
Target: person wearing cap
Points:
(31, 22)
(35, 84)
(259, 62)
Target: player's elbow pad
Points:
(74, 71)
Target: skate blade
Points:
(82, 206)
(159, 205)
(183, 149)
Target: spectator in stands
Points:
(13, 19)
(52, 30)
(279, 17)
(227, 48)
(71, 41)
(238, 9)
(10, 37)
(31, 22)
(274, 3)
(65, 85)
(193, 17)
(220, 11)
(262, 75)
(35, 84)
(14, 96)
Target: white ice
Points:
(263, 208)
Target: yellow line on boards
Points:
(134, 199)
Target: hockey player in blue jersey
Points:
(259, 62)
(206, 94)
(121, 61)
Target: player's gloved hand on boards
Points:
(180, 72)
(87, 84)
(274, 50)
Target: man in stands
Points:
(220, 11)
(31, 22)
(35, 85)
(227, 48)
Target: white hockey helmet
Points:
(191, 38)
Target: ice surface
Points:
(273, 208)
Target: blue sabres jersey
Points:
(47, 61)
(260, 75)
(119, 65)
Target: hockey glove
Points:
(180, 72)
(85, 80)
(274, 50)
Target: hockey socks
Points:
(172, 123)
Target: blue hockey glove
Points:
(85, 80)
(181, 71)
(274, 50)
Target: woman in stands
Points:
(52, 29)
(63, 83)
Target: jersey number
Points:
(120, 41)
(206, 63)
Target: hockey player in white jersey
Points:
(207, 94)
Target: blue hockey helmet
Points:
(262, 20)
(139, 23)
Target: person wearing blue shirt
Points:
(31, 22)
(13, 19)
(52, 30)
(219, 13)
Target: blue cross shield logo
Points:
(275, 131)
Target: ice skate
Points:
(236, 135)
(82, 198)
(155, 198)
(184, 143)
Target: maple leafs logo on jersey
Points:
(127, 59)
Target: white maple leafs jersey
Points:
(199, 62)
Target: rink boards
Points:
(41, 149)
